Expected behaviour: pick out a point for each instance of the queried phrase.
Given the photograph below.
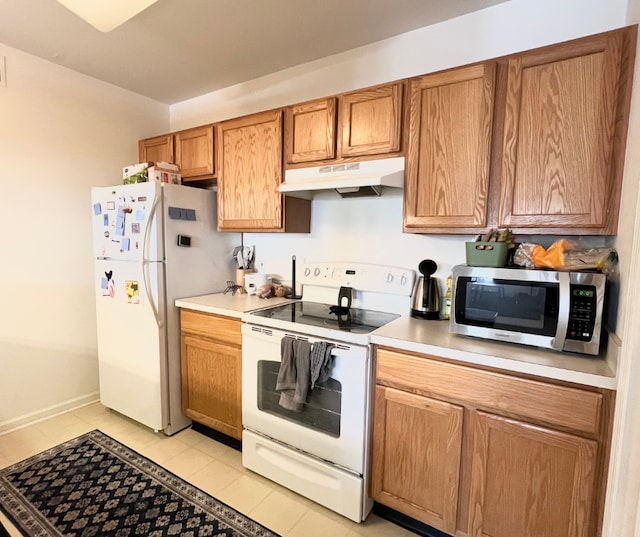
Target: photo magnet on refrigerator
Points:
(133, 291)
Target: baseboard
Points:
(406, 522)
(217, 435)
(49, 412)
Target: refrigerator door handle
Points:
(144, 261)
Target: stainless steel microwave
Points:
(561, 311)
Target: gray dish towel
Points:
(293, 376)
(321, 362)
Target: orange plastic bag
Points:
(553, 257)
(562, 255)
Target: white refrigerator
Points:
(153, 243)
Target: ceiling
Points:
(179, 49)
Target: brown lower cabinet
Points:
(211, 357)
(417, 473)
(528, 480)
(480, 453)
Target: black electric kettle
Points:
(425, 300)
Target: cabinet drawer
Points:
(223, 329)
(557, 405)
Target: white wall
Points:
(60, 134)
(623, 494)
(502, 29)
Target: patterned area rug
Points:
(95, 486)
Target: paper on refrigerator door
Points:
(120, 284)
(123, 226)
(132, 289)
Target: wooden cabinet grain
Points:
(194, 153)
(566, 114)
(515, 456)
(418, 441)
(533, 141)
(449, 150)
(310, 131)
(190, 149)
(369, 123)
(249, 174)
(530, 480)
(211, 362)
(156, 149)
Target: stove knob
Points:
(316, 272)
(403, 279)
(307, 271)
(389, 278)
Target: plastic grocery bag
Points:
(561, 255)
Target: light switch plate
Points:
(3, 71)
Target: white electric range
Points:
(321, 449)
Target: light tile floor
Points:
(206, 463)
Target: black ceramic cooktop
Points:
(354, 320)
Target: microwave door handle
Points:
(564, 300)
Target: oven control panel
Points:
(363, 276)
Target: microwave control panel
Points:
(582, 312)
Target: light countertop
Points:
(433, 337)
(229, 305)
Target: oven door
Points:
(333, 422)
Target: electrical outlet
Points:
(3, 72)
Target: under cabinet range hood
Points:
(350, 179)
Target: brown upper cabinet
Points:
(538, 147)
(194, 152)
(369, 123)
(566, 111)
(449, 150)
(310, 131)
(533, 141)
(190, 149)
(157, 149)
(249, 174)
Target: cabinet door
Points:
(529, 481)
(449, 151)
(250, 172)
(562, 137)
(371, 121)
(158, 149)
(417, 444)
(211, 384)
(309, 131)
(194, 152)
